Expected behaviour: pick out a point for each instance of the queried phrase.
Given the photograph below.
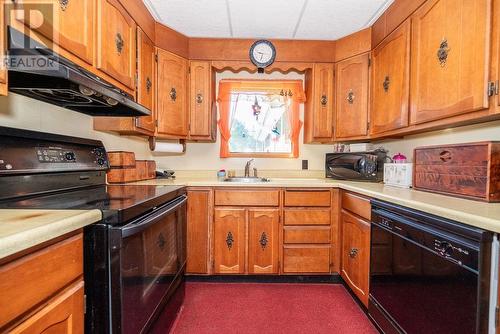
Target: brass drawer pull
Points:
(353, 252)
(199, 98)
(324, 100)
(445, 156)
(386, 84)
(119, 42)
(173, 94)
(263, 241)
(350, 97)
(63, 4)
(229, 240)
(442, 53)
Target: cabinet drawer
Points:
(306, 259)
(58, 265)
(247, 197)
(307, 235)
(307, 216)
(357, 204)
(307, 198)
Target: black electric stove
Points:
(135, 257)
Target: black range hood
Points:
(64, 84)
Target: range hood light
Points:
(86, 91)
(111, 101)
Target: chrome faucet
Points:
(247, 168)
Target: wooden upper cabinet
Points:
(145, 80)
(202, 101)
(171, 112)
(116, 42)
(319, 123)
(390, 82)
(69, 25)
(263, 241)
(352, 98)
(229, 240)
(449, 59)
(496, 56)
(355, 266)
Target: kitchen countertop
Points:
(21, 229)
(474, 213)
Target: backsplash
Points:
(466, 134)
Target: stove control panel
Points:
(55, 154)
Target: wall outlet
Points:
(305, 164)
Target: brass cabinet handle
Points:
(63, 4)
(445, 156)
(229, 240)
(119, 42)
(324, 100)
(442, 52)
(199, 98)
(263, 240)
(353, 252)
(350, 97)
(386, 83)
(148, 84)
(173, 94)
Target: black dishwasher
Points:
(427, 274)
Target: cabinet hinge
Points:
(368, 126)
(84, 304)
(156, 123)
(213, 264)
(156, 58)
(497, 312)
(369, 61)
(493, 88)
(136, 80)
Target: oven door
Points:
(414, 290)
(147, 256)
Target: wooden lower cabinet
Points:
(42, 291)
(199, 219)
(355, 256)
(63, 314)
(229, 240)
(263, 241)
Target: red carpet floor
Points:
(270, 308)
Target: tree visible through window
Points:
(260, 118)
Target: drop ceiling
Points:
(273, 19)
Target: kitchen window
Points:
(260, 118)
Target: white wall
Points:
(480, 132)
(25, 113)
(205, 156)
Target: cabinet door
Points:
(229, 241)
(69, 24)
(352, 98)
(171, 110)
(356, 254)
(63, 314)
(199, 213)
(145, 80)
(322, 112)
(116, 51)
(449, 59)
(201, 101)
(390, 82)
(263, 241)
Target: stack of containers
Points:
(125, 168)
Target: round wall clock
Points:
(262, 53)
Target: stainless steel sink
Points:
(247, 179)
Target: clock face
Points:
(262, 53)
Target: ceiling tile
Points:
(333, 19)
(194, 18)
(264, 18)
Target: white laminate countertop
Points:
(21, 229)
(474, 213)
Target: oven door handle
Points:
(140, 225)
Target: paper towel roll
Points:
(165, 147)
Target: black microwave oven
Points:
(356, 166)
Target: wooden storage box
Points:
(141, 167)
(151, 169)
(121, 159)
(464, 170)
(121, 175)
